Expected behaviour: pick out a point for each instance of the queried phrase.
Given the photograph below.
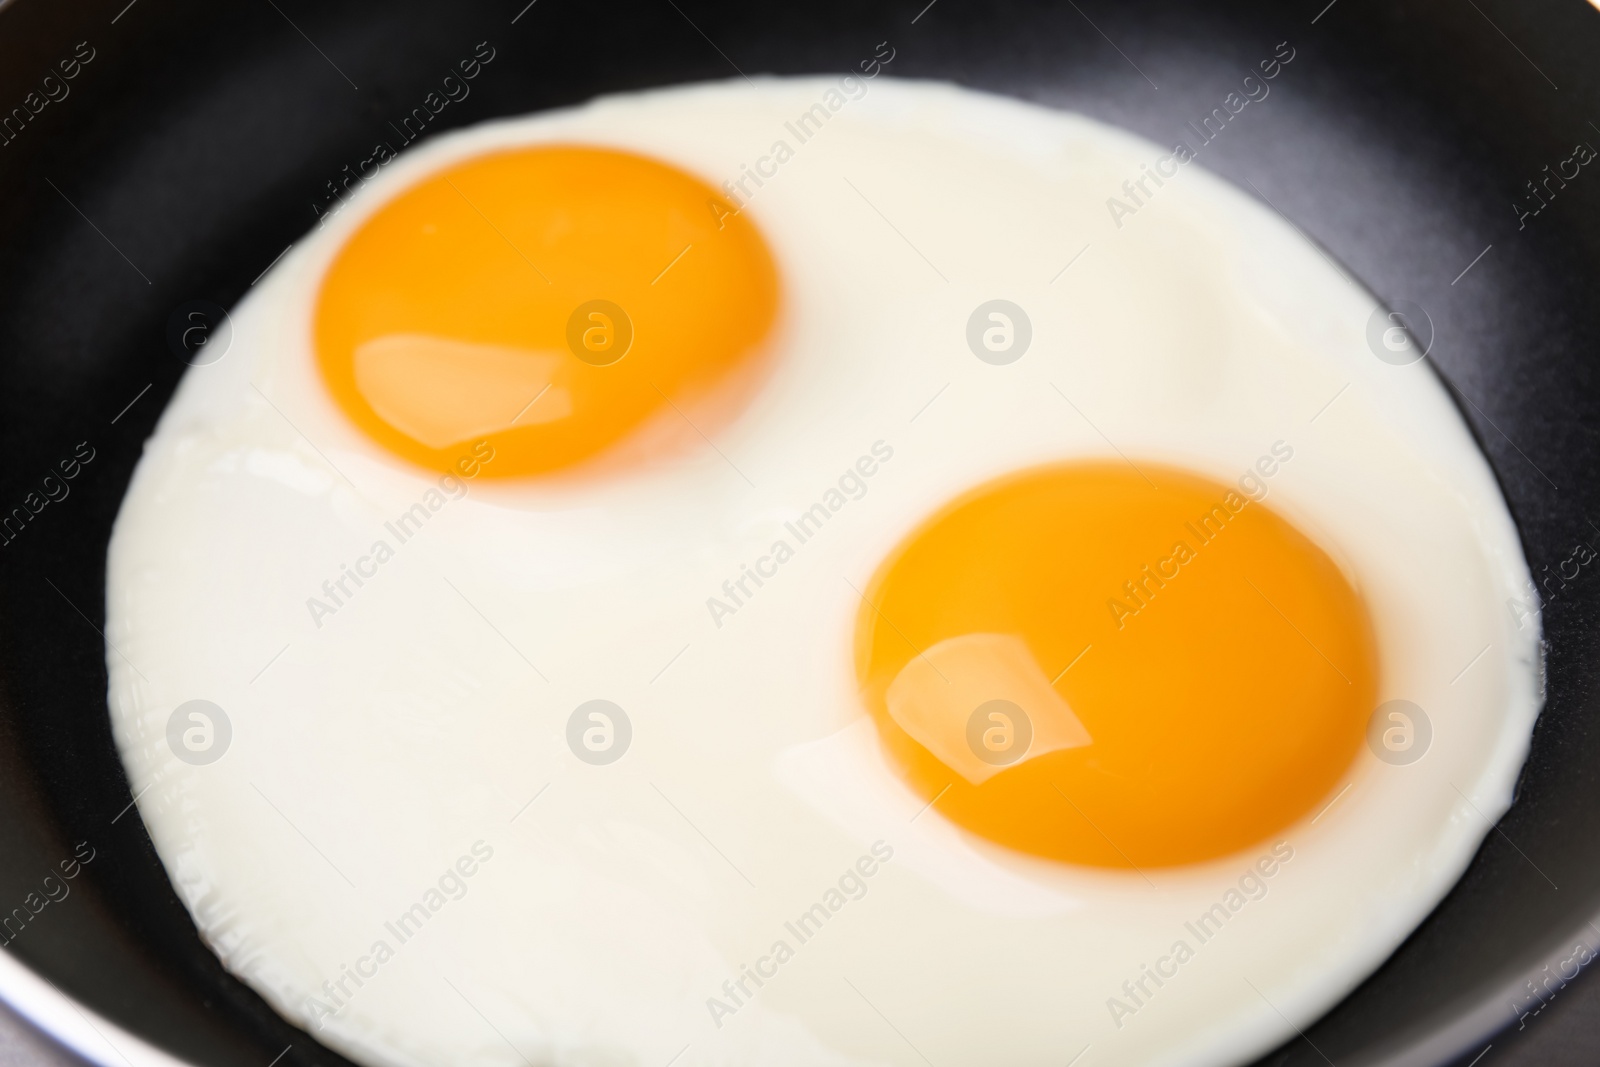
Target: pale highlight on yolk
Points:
(1224, 693)
(444, 319)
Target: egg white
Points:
(374, 748)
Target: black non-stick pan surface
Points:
(196, 139)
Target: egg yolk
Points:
(1081, 665)
(542, 306)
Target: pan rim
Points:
(78, 1027)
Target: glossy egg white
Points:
(410, 750)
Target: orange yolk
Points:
(552, 302)
(1079, 665)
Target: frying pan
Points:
(196, 139)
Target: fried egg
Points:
(776, 572)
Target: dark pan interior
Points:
(196, 143)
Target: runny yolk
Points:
(554, 302)
(1076, 663)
